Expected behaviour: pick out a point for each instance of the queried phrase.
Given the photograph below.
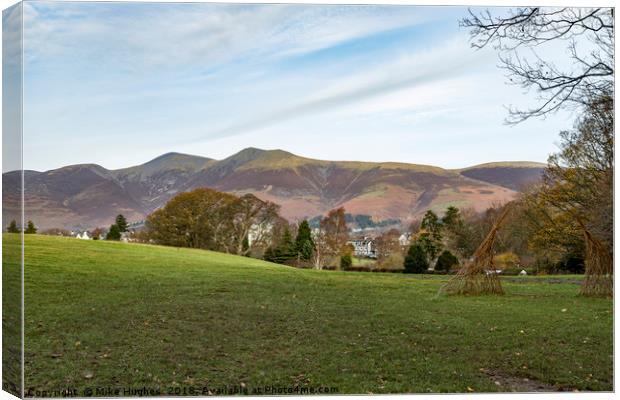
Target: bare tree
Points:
(589, 35)
(253, 221)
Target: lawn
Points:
(126, 315)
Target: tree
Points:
(578, 189)
(431, 246)
(431, 224)
(457, 234)
(114, 233)
(303, 242)
(97, 233)
(201, 218)
(346, 261)
(269, 254)
(252, 223)
(208, 219)
(121, 222)
(13, 228)
(30, 228)
(429, 236)
(446, 261)
(589, 37)
(285, 252)
(579, 178)
(388, 248)
(56, 232)
(416, 261)
(331, 238)
(452, 218)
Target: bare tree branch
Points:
(589, 76)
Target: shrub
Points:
(507, 260)
(415, 261)
(346, 261)
(446, 261)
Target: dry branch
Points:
(479, 276)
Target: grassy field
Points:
(119, 315)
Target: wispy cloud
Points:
(213, 78)
(428, 68)
(155, 35)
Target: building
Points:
(364, 247)
(404, 239)
(83, 236)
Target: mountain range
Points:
(88, 195)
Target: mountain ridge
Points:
(88, 195)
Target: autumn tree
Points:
(97, 233)
(388, 249)
(208, 219)
(579, 178)
(575, 200)
(331, 238)
(251, 216)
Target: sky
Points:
(118, 84)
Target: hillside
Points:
(141, 315)
(514, 175)
(85, 196)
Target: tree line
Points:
(14, 228)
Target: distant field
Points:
(119, 315)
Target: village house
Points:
(364, 247)
(404, 239)
(84, 236)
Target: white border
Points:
(575, 3)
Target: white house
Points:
(364, 247)
(83, 236)
(404, 239)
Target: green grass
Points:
(139, 315)
(363, 262)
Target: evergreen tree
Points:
(13, 228)
(269, 254)
(121, 223)
(30, 228)
(304, 243)
(430, 245)
(415, 261)
(446, 261)
(114, 233)
(452, 218)
(286, 250)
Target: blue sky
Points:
(118, 84)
